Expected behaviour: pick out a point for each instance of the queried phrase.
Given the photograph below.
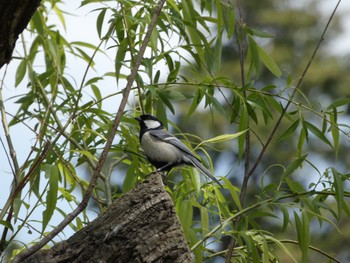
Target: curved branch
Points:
(70, 217)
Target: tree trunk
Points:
(14, 18)
(140, 226)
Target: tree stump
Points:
(140, 226)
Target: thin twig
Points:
(284, 110)
(241, 48)
(248, 175)
(106, 149)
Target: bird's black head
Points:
(149, 122)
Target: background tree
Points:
(230, 73)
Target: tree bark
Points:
(140, 226)
(14, 17)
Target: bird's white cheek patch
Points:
(152, 124)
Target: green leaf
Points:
(339, 103)
(294, 186)
(21, 72)
(38, 23)
(222, 138)
(229, 17)
(339, 191)
(185, 212)
(293, 166)
(198, 96)
(173, 4)
(269, 62)
(86, 153)
(221, 204)
(120, 56)
(66, 173)
(204, 220)
(254, 53)
(285, 213)
(233, 191)
(130, 178)
(66, 194)
(335, 131)
(243, 125)
(51, 172)
(99, 22)
(303, 233)
(290, 131)
(312, 128)
(6, 224)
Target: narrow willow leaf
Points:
(339, 190)
(99, 22)
(130, 178)
(303, 234)
(185, 213)
(243, 125)
(285, 213)
(233, 191)
(222, 138)
(120, 56)
(6, 224)
(269, 62)
(251, 248)
(66, 174)
(173, 4)
(154, 41)
(312, 128)
(282, 247)
(60, 15)
(335, 131)
(38, 23)
(221, 203)
(229, 17)
(287, 133)
(204, 220)
(21, 72)
(51, 172)
(265, 250)
(166, 101)
(339, 103)
(293, 166)
(98, 96)
(254, 52)
(294, 186)
(198, 96)
(305, 237)
(301, 140)
(193, 237)
(87, 153)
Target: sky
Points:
(78, 26)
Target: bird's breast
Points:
(159, 151)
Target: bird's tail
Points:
(196, 163)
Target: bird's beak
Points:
(138, 119)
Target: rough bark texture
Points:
(14, 17)
(140, 226)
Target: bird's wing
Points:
(165, 136)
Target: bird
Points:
(164, 150)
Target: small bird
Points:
(164, 150)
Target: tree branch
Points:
(106, 149)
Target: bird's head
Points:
(149, 122)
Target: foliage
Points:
(69, 120)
